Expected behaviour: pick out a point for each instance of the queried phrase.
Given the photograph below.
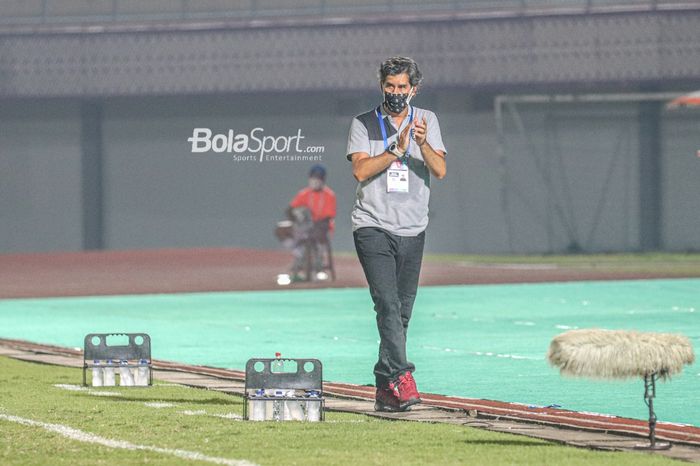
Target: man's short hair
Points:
(399, 65)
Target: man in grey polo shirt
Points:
(394, 148)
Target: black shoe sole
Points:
(407, 405)
(381, 407)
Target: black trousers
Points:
(392, 266)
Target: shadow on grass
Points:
(510, 443)
(208, 401)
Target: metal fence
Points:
(81, 11)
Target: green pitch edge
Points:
(485, 341)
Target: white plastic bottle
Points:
(142, 374)
(278, 404)
(109, 374)
(313, 406)
(292, 408)
(257, 406)
(126, 378)
(97, 374)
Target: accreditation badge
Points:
(397, 177)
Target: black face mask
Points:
(395, 103)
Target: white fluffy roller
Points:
(619, 354)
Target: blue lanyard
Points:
(383, 128)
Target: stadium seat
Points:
(289, 6)
(359, 6)
(12, 10)
(423, 4)
(318, 257)
(602, 3)
(211, 8)
(79, 8)
(167, 8)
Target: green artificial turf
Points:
(476, 341)
(190, 423)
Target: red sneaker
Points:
(404, 389)
(385, 400)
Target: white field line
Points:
(79, 435)
(234, 416)
(349, 421)
(158, 404)
(80, 388)
(201, 412)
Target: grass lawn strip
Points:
(28, 395)
(80, 436)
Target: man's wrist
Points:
(394, 150)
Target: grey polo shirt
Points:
(403, 214)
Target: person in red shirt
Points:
(317, 197)
(317, 201)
